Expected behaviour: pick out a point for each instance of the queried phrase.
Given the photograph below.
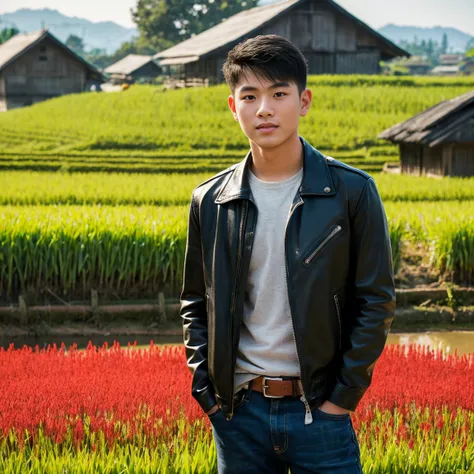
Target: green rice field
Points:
(149, 129)
(139, 249)
(95, 187)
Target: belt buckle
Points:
(264, 387)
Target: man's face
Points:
(268, 112)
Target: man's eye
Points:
(248, 97)
(282, 94)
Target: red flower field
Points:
(420, 403)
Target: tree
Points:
(7, 33)
(75, 43)
(430, 50)
(163, 23)
(444, 44)
(430, 47)
(100, 59)
(136, 46)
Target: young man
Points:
(288, 293)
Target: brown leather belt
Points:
(276, 387)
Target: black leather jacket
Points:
(339, 272)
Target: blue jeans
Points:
(268, 436)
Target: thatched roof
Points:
(243, 24)
(21, 43)
(435, 125)
(129, 64)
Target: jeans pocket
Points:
(240, 398)
(332, 416)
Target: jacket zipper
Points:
(338, 311)
(308, 418)
(236, 289)
(322, 244)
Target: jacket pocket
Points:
(310, 257)
(339, 323)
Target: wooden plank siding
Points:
(463, 159)
(460, 154)
(410, 158)
(432, 161)
(451, 159)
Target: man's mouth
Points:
(267, 127)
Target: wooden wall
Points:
(204, 68)
(458, 156)
(44, 71)
(451, 159)
(432, 161)
(463, 159)
(410, 158)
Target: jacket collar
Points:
(316, 179)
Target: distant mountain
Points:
(457, 39)
(105, 34)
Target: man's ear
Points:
(231, 103)
(306, 99)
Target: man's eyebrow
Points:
(276, 85)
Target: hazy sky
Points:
(377, 13)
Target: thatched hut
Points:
(438, 141)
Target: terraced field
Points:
(95, 187)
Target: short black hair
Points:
(270, 57)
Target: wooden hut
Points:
(438, 141)
(332, 40)
(37, 66)
(133, 68)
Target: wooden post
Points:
(94, 302)
(450, 162)
(23, 310)
(161, 308)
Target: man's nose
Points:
(265, 110)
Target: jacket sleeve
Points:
(374, 291)
(194, 314)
